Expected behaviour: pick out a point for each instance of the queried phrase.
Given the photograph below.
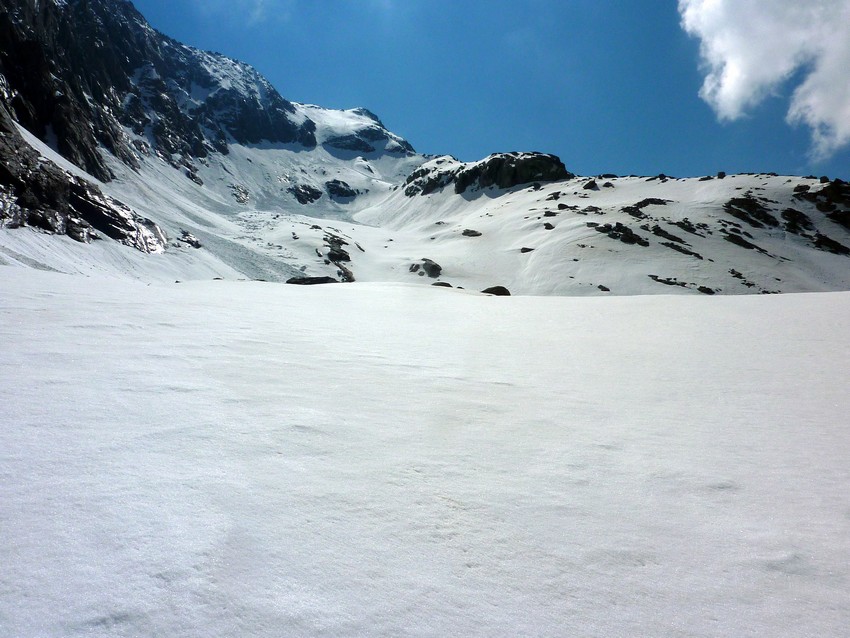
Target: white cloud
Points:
(250, 12)
(751, 47)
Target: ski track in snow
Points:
(249, 459)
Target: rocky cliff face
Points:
(36, 192)
(81, 71)
(499, 170)
(91, 78)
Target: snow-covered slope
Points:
(577, 236)
(201, 149)
(248, 459)
(630, 235)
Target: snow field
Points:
(250, 459)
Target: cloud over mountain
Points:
(750, 47)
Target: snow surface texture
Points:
(247, 459)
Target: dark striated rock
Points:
(740, 241)
(468, 232)
(660, 232)
(350, 143)
(668, 281)
(688, 226)
(36, 192)
(822, 242)
(796, 221)
(620, 232)
(681, 249)
(366, 139)
(841, 217)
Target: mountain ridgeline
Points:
(188, 164)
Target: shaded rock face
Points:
(311, 281)
(35, 192)
(511, 169)
(501, 170)
(339, 189)
(304, 193)
(428, 267)
(79, 70)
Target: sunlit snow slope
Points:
(628, 235)
(199, 169)
(250, 459)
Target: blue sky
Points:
(607, 85)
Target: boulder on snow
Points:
(339, 189)
(304, 193)
(506, 170)
(499, 291)
(311, 281)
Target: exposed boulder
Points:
(499, 291)
(336, 252)
(500, 170)
(431, 268)
(311, 281)
(339, 189)
(621, 233)
(305, 194)
(506, 170)
(188, 238)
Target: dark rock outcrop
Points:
(83, 70)
(506, 170)
(499, 291)
(36, 192)
(621, 233)
(431, 268)
(338, 189)
(311, 281)
(305, 194)
(500, 170)
(748, 209)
